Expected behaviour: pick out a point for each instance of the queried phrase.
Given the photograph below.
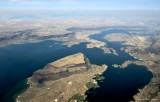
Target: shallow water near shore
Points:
(18, 62)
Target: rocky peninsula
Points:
(59, 81)
(145, 48)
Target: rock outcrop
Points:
(60, 80)
(151, 92)
(62, 68)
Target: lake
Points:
(18, 62)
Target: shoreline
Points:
(86, 76)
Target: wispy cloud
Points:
(41, 2)
(16, 0)
(28, 2)
(32, 3)
(69, 2)
(51, 4)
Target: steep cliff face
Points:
(61, 79)
(62, 68)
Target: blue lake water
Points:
(120, 84)
(18, 62)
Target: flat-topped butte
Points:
(60, 80)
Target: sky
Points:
(81, 4)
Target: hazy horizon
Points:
(78, 8)
(81, 4)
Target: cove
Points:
(18, 62)
(120, 84)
